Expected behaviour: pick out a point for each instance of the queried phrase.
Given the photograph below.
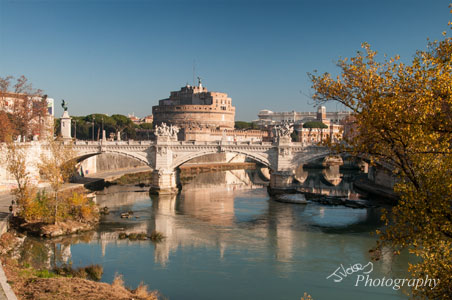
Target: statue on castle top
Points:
(165, 130)
(64, 105)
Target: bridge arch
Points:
(82, 156)
(178, 161)
(304, 159)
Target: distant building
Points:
(333, 121)
(317, 135)
(136, 120)
(195, 107)
(148, 119)
(269, 118)
(230, 135)
(11, 102)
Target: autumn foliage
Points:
(57, 166)
(23, 109)
(402, 119)
(72, 206)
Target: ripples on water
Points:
(227, 239)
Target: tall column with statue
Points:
(65, 123)
(281, 177)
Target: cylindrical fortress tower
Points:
(194, 106)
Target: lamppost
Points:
(103, 128)
(94, 118)
(75, 129)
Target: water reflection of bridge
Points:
(329, 181)
(209, 213)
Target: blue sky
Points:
(123, 56)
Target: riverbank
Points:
(30, 283)
(5, 202)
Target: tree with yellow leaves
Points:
(16, 165)
(57, 166)
(402, 117)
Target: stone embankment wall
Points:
(382, 177)
(33, 153)
(223, 157)
(109, 162)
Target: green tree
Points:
(125, 125)
(244, 125)
(315, 124)
(294, 136)
(147, 126)
(402, 117)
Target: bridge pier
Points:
(281, 182)
(164, 182)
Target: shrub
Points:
(91, 272)
(39, 208)
(45, 274)
(94, 272)
(81, 273)
(118, 282)
(142, 236)
(306, 297)
(75, 206)
(141, 291)
(156, 236)
(82, 208)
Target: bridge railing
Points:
(199, 143)
(111, 143)
(244, 143)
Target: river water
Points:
(226, 238)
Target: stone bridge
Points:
(166, 154)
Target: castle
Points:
(195, 107)
(202, 115)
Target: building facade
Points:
(230, 135)
(195, 107)
(269, 118)
(137, 121)
(332, 120)
(334, 133)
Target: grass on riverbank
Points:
(134, 178)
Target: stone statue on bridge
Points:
(285, 130)
(166, 131)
